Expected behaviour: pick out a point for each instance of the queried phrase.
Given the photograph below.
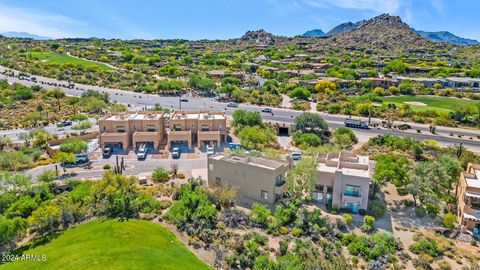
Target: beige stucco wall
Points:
(249, 179)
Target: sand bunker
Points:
(415, 103)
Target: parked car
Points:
(107, 152)
(404, 126)
(142, 152)
(184, 100)
(232, 105)
(175, 152)
(295, 155)
(267, 110)
(64, 123)
(210, 150)
(81, 158)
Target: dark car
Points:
(184, 100)
(176, 152)
(232, 105)
(404, 126)
(267, 110)
(64, 123)
(107, 152)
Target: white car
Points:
(142, 152)
(210, 150)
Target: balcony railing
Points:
(352, 194)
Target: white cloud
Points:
(35, 22)
(380, 6)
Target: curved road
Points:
(137, 101)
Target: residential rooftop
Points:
(143, 115)
(262, 162)
(200, 115)
(348, 163)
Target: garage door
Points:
(116, 146)
(183, 145)
(150, 146)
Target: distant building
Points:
(218, 74)
(468, 197)
(382, 82)
(458, 82)
(343, 180)
(258, 179)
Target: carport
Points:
(182, 145)
(150, 146)
(116, 146)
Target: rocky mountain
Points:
(260, 37)
(447, 37)
(314, 33)
(24, 35)
(381, 32)
(344, 27)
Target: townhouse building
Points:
(259, 179)
(343, 180)
(157, 130)
(468, 198)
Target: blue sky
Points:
(222, 19)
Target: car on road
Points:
(210, 150)
(107, 152)
(295, 155)
(64, 123)
(142, 152)
(404, 126)
(232, 105)
(175, 152)
(267, 110)
(184, 100)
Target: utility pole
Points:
(180, 103)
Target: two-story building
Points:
(124, 130)
(200, 127)
(258, 179)
(343, 180)
(130, 130)
(468, 197)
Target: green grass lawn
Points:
(440, 104)
(113, 244)
(61, 58)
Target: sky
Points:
(224, 19)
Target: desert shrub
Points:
(348, 218)
(408, 203)
(377, 209)
(181, 175)
(297, 231)
(164, 204)
(449, 220)
(371, 247)
(421, 264)
(432, 209)
(107, 167)
(420, 211)
(427, 246)
(234, 218)
(367, 225)
(283, 247)
(259, 215)
(160, 174)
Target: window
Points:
(218, 181)
(151, 128)
(121, 129)
(205, 128)
(278, 197)
(264, 194)
(210, 167)
(352, 191)
(279, 180)
(177, 127)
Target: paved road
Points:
(134, 166)
(138, 101)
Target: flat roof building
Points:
(258, 179)
(343, 180)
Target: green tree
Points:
(47, 176)
(243, 118)
(388, 168)
(45, 219)
(57, 94)
(74, 146)
(311, 123)
(344, 137)
(11, 229)
(64, 158)
(257, 137)
(259, 214)
(4, 142)
(300, 93)
(302, 177)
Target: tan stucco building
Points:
(468, 197)
(258, 179)
(196, 127)
(158, 129)
(343, 180)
